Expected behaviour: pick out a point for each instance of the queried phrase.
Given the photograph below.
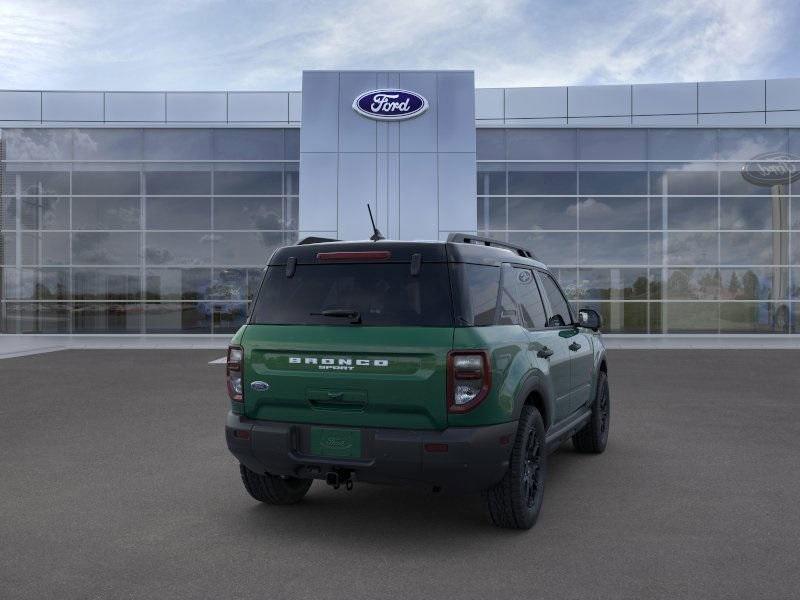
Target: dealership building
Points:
(669, 208)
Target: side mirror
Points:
(589, 318)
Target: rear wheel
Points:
(272, 489)
(592, 439)
(515, 502)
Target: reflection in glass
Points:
(620, 317)
(248, 144)
(753, 248)
(677, 182)
(491, 144)
(491, 179)
(248, 213)
(111, 183)
(691, 213)
(755, 283)
(492, 213)
(101, 317)
(108, 144)
(613, 284)
(754, 317)
(44, 212)
(105, 284)
(692, 248)
(8, 248)
(102, 248)
(245, 248)
(540, 144)
(754, 212)
(33, 317)
(178, 284)
(229, 284)
(178, 248)
(47, 248)
(524, 182)
(183, 317)
(38, 144)
(613, 249)
(539, 213)
(690, 317)
(693, 284)
(550, 248)
(612, 213)
(43, 183)
(228, 317)
(241, 182)
(612, 144)
(178, 144)
(610, 183)
(105, 213)
(178, 183)
(178, 213)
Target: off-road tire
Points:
(516, 500)
(271, 489)
(592, 439)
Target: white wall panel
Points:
(136, 107)
(197, 107)
(536, 103)
(489, 103)
(419, 213)
(732, 119)
(72, 106)
(665, 99)
(599, 101)
(783, 94)
(318, 187)
(20, 106)
(457, 184)
(258, 106)
(730, 96)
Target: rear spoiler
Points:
(315, 240)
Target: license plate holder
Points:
(333, 442)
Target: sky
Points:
(265, 45)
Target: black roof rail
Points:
(314, 240)
(468, 238)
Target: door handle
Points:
(574, 346)
(545, 353)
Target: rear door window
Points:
(382, 294)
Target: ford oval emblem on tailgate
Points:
(259, 386)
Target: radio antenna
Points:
(376, 234)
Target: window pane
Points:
(50, 248)
(32, 317)
(105, 213)
(541, 144)
(550, 248)
(612, 144)
(178, 284)
(612, 182)
(100, 317)
(693, 284)
(491, 144)
(229, 317)
(229, 284)
(692, 248)
(682, 144)
(759, 248)
(612, 213)
(737, 143)
(105, 248)
(245, 248)
(248, 213)
(754, 317)
(492, 214)
(291, 141)
(178, 183)
(248, 144)
(491, 179)
(178, 213)
(106, 284)
(248, 182)
(542, 213)
(620, 317)
(98, 183)
(754, 213)
(691, 213)
(613, 284)
(524, 180)
(38, 144)
(44, 212)
(753, 283)
(184, 317)
(732, 182)
(178, 248)
(690, 317)
(8, 248)
(613, 249)
(291, 179)
(108, 144)
(674, 181)
(177, 144)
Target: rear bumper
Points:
(476, 457)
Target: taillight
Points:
(234, 371)
(469, 378)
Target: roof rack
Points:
(467, 238)
(314, 240)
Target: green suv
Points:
(457, 365)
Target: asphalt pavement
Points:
(115, 482)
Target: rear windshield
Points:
(382, 294)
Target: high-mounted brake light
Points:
(367, 255)
(233, 371)
(469, 378)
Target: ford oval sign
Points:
(390, 105)
(772, 168)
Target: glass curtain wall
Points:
(659, 230)
(141, 230)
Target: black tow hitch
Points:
(338, 478)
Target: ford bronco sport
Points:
(457, 365)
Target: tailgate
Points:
(348, 375)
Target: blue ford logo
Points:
(390, 105)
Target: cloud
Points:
(211, 44)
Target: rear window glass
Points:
(476, 287)
(382, 294)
